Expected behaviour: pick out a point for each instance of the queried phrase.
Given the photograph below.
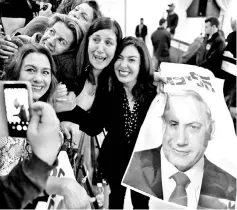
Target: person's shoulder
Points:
(146, 154)
(219, 176)
(218, 183)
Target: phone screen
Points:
(17, 109)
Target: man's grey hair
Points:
(189, 93)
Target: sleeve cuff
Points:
(37, 170)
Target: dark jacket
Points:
(66, 70)
(172, 22)
(231, 46)
(143, 32)
(161, 39)
(107, 112)
(210, 54)
(24, 183)
(144, 173)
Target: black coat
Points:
(143, 32)
(107, 112)
(161, 39)
(210, 55)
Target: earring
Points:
(87, 68)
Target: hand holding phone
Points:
(17, 100)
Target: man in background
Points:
(161, 39)
(172, 19)
(141, 30)
(210, 53)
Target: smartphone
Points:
(17, 100)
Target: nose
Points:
(37, 77)
(123, 63)
(181, 137)
(100, 47)
(52, 41)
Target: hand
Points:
(43, 132)
(168, 29)
(61, 93)
(233, 112)
(100, 199)
(75, 196)
(159, 81)
(68, 104)
(47, 12)
(24, 38)
(71, 131)
(7, 47)
(228, 54)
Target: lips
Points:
(46, 46)
(181, 152)
(99, 58)
(123, 73)
(37, 88)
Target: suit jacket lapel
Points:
(152, 172)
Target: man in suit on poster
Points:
(178, 171)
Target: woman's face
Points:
(36, 69)
(101, 48)
(84, 13)
(127, 66)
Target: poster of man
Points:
(181, 166)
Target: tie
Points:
(179, 195)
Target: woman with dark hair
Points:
(121, 112)
(94, 60)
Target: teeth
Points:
(99, 58)
(37, 88)
(124, 73)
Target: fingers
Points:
(7, 47)
(92, 200)
(61, 99)
(75, 133)
(24, 38)
(48, 115)
(71, 95)
(34, 122)
(49, 6)
(61, 91)
(65, 129)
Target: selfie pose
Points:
(122, 112)
(32, 63)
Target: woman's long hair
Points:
(84, 68)
(145, 76)
(12, 68)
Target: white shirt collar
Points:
(195, 173)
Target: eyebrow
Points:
(130, 56)
(60, 36)
(31, 65)
(84, 13)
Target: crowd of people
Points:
(86, 76)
